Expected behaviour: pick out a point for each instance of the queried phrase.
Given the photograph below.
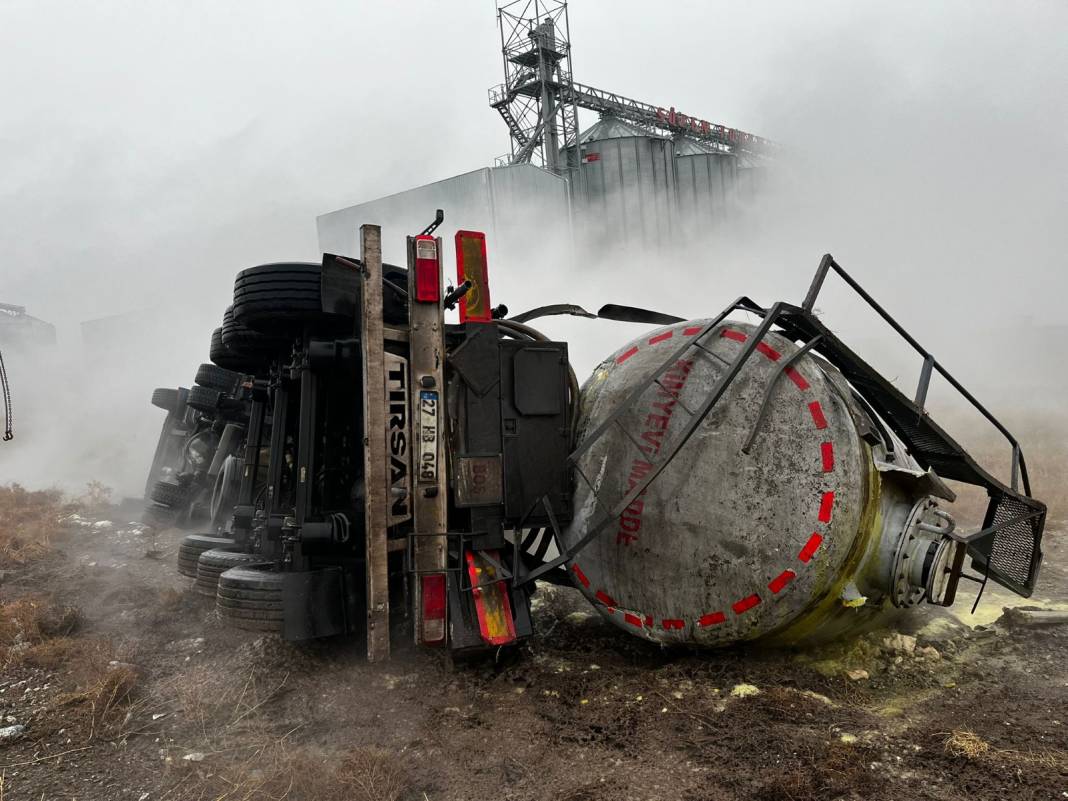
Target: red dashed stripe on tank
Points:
(827, 455)
(811, 547)
(605, 598)
(745, 604)
(580, 575)
(777, 584)
(797, 378)
(816, 410)
(826, 505)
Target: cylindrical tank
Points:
(625, 189)
(794, 526)
(704, 179)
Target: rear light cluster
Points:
(427, 274)
(434, 601)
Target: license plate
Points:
(428, 435)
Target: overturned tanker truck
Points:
(715, 480)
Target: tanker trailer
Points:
(739, 482)
(716, 480)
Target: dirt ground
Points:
(118, 682)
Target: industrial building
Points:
(20, 330)
(642, 176)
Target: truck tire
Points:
(215, 377)
(204, 399)
(222, 355)
(286, 296)
(170, 495)
(250, 598)
(254, 347)
(274, 296)
(165, 398)
(158, 516)
(193, 545)
(215, 562)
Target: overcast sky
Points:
(144, 142)
(148, 150)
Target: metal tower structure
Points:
(539, 100)
(536, 99)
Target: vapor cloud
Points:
(149, 151)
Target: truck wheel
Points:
(214, 377)
(273, 297)
(204, 399)
(250, 598)
(255, 347)
(193, 545)
(158, 516)
(165, 398)
(222, 355)
(170, 495)
(217, 561)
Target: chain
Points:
(6, 387)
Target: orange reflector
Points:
(491, 600)
(471, 266)
(434, 601)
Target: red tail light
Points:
(427, 270)
(434, 601)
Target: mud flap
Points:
(314, 604)
(486, 612)
(493, 607)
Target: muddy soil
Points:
(942, 709)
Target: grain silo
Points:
(624, 191)
(705, 179)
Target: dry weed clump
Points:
(101, 703)
(27, 622)
(276, 772)
(372, 774)
(95, 499)
(969, 745)
(28, 521)
(36, 633)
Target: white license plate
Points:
(428, 435)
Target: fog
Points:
(149, 151)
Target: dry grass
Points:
(277, 772)
(27, 623)
(100, 704)
(1044, 439)
(95, 500)
(969, 745)
(372, 774)
(36, 633)
(28, 521)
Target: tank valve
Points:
(923, 562)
